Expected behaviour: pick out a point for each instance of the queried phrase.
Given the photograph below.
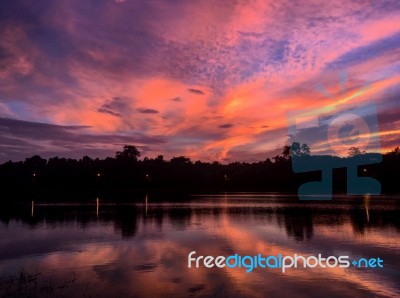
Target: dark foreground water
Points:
(141, 250)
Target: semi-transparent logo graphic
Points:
(342, 133)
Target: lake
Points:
(104, 249)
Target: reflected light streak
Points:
(367, 199)
(146, 199)
(97, 207)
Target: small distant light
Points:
(365, 170)
(34, 175)
(98, 174)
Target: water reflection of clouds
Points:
(126, 251)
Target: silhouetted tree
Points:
(353, 151)
(286, 152)
(129, 152)
(305, 149)
(297, 150)
(160, 158)
(180, 160)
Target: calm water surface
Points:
(140, 250)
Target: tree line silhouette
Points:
(127, 173)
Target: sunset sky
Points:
(211, 80)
